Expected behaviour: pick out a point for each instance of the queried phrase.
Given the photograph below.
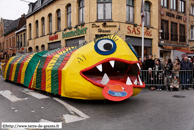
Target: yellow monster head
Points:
(107, 68)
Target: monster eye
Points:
(105, 46)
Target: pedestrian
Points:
(176, 68)
(192, 59)
(149, 62)
(158, 70)
(168, 72)
(150, 79)
(174, 84)
(185, 65)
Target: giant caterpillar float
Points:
(106, 68)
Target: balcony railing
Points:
(182, 38)
(174, 37)
(165, 36)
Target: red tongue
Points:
(117, 86)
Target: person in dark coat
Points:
(168, 72)
(185, 65)
(149, 62)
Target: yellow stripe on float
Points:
(14, 68)
(33, 85)
(48, 71)
(24, 68)
(6, 68)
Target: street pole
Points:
(142, 51)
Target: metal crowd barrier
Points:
(164, 79)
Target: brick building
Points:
(10, 36)
(3, 24)
(173, 23)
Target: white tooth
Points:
(105, 79)
(112, 63)
(138, 66)
(99, 67)
(135, 82)
(140, 81)
(128, 81)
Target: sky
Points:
(13, 9)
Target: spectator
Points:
(149, 62)
(150, 78)
(192, 59)
(174, 84)
(185, 65)
(168, 72)
(176, 68)
(158, 68)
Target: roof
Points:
(21, 29)
(12, 26)
(37, 6)
(6, 22)
(187, 51)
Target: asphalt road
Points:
(150, 110)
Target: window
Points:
(192, 32)
(130, 11)
(59, 19)
(50, 23)
(30, 29)
(174, 36)
(24, 39)
(36, 28)
(69, 16)
(164, 3)
(37, 49)
(182, 6)
(164, 28)
(6, 44)
(147, 14)
(81, 12)
(104, 9)
(9, 42)
(192, 9)
(43, 26)
(18, 41)
(13, 41)
(182, 37)
(42, 48)
(21, 41)
(173, 4)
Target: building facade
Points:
(21, 40)
(173, 27)
(10, 36)
(52, 24)
(3, 24)
(191, 24)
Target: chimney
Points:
(30, 7)
(23, 16)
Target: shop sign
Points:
(137, 31)
(174, 16)
(51, 38)
(77, 32)
(102, 30)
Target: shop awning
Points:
(189, 53)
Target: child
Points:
(175, 84)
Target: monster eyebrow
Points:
(84, 57)
(79, 58)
